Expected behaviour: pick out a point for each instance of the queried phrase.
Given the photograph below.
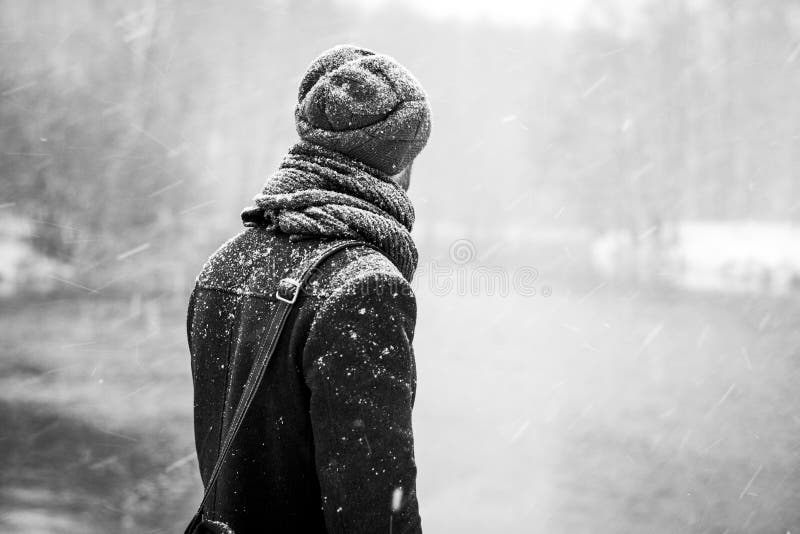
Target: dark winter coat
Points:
(327, 445)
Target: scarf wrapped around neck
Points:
(317, 192)
(362, 118)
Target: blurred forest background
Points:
(156, 122)
(133, 133)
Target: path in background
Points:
(595, 409)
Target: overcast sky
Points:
(565, 13)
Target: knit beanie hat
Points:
(363, 105)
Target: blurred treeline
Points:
(147, 125)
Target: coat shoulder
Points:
(255, 260)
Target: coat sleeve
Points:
(359, 366)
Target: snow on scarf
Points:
(362, 118)
(318, 192)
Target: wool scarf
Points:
(317, 192)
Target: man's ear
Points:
(403, 178)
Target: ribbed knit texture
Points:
(364, 105)
(319, 192)
(362, 118)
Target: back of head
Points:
(363, 105)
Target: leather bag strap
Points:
(265, 350)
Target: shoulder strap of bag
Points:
(286, 300)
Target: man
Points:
(327, 444)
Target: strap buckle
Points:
(295, 288)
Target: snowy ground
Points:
(596, 409)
